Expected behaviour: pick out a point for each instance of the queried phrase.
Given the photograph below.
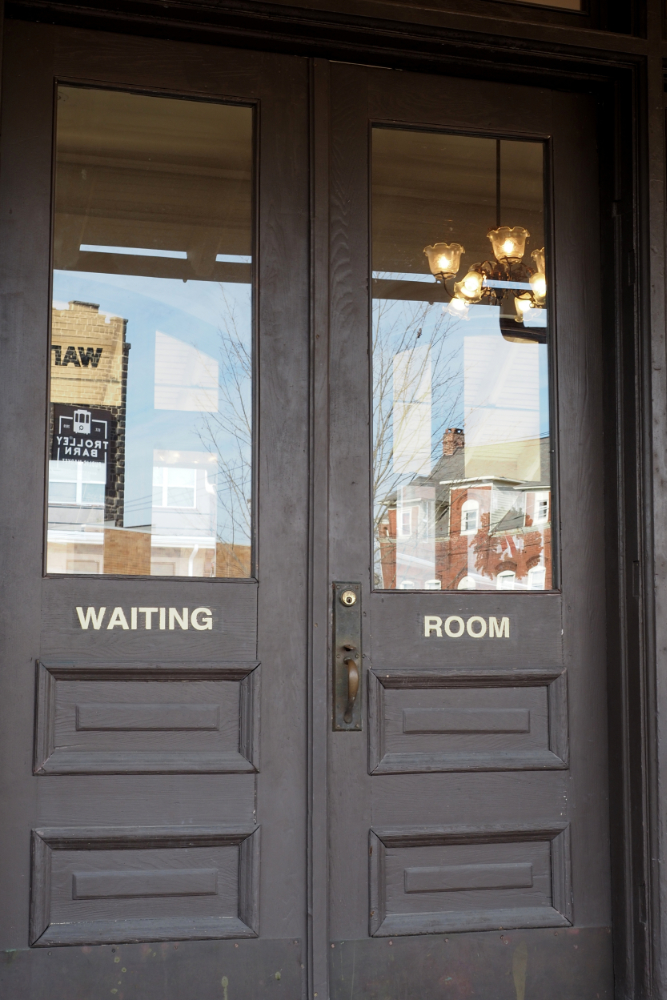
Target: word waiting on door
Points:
(200, 619)
(475, 626)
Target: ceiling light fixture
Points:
(506, 281)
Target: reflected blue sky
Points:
(196, 313)
(401, 325)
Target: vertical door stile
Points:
(319, 597)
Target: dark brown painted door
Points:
(175, 823)
(154, 519)
(468, 776)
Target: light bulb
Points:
(508, 246)
(472, 283)
(444, 263)
(470, 288)
(458, 305)
(538, 283)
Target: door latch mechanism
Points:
(347, 656)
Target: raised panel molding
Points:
(434, 880)
(133, 719)
(483, 726)
(111, 885)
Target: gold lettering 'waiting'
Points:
(475, 626)
(153, 619)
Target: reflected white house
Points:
(184, 513)
(185, 377)
(501, 407)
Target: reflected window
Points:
(405, 522)
(540, 508)
(506, 580)
(77, 483)
(173, 487)
(460, 363)
(150, 436)
(469, 517)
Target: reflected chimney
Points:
(452, 440)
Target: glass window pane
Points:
(63, 472)
(62, 493)
(92, 494)
(461, 440)
(151, 346)
(91, 472)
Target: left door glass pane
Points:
(150, 433)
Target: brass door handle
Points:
(347, 667)
(352, 686)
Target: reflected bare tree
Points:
(421, 333)
(228, 433)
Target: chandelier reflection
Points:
(507, 281)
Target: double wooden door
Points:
(303, 685)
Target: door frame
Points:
(626, 75)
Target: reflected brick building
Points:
(450, 531)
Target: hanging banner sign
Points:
(81, 435)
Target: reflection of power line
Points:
(227, 469)
(138, 502)
(235, 482)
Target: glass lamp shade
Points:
(444, 259)
(470, 289)
(522, 303)
(508, 244)
(538, 257)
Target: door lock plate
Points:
(347, 657)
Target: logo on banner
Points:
(81, 435)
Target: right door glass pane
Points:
(460, 330)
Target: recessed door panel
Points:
(435, 881)
(462, 720)
(124, 719)
(102, 885)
